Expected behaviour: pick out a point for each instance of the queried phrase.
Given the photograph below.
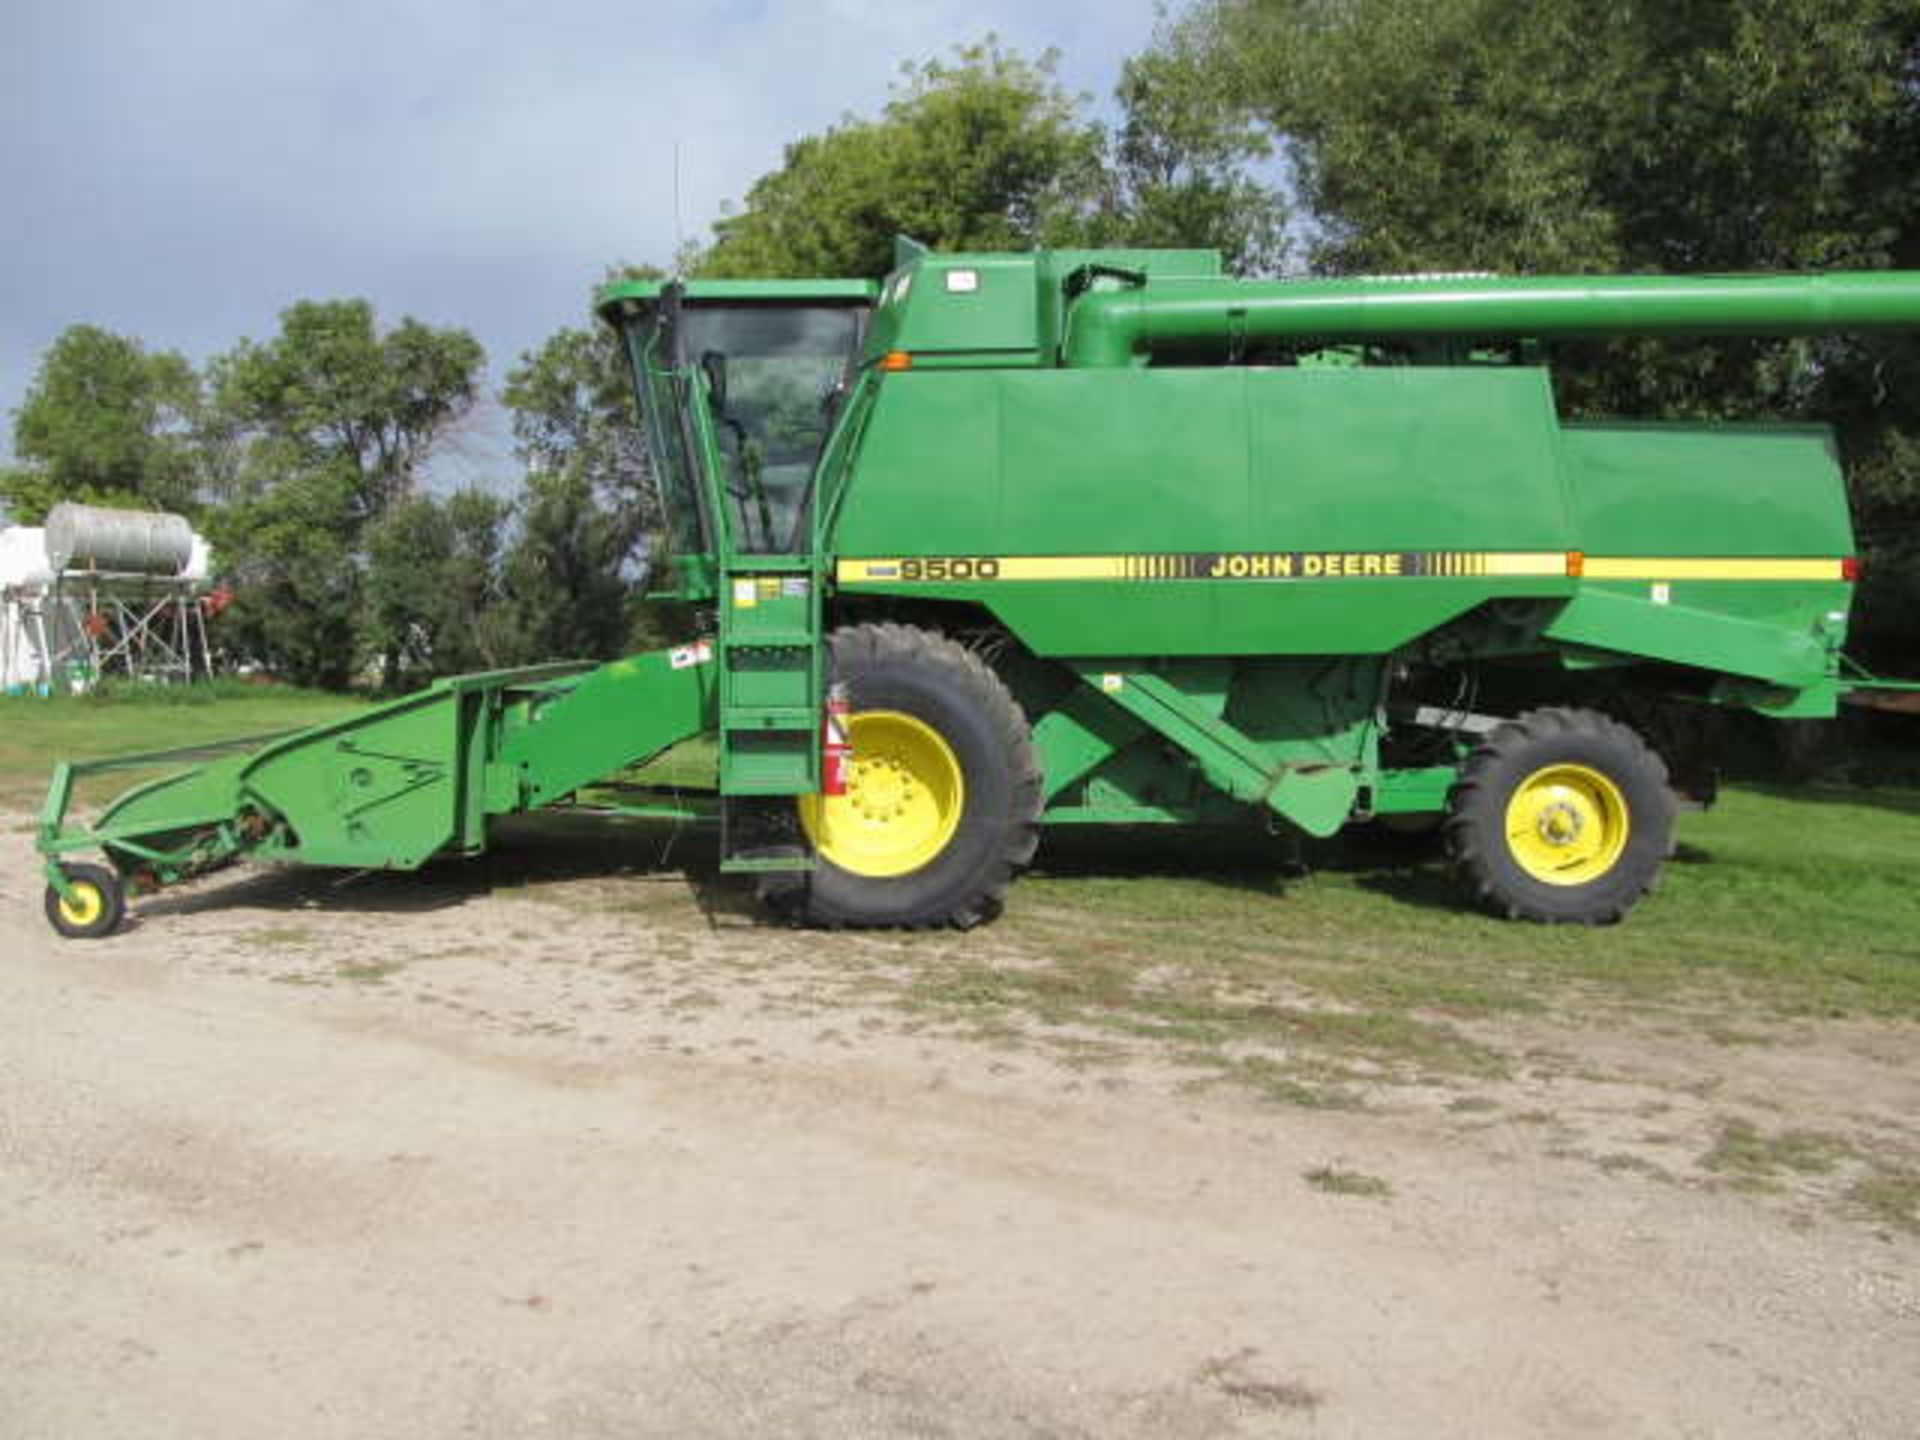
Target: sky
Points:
(182, 170)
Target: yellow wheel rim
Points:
(1567, 825)
(85, 907)
(903, 801)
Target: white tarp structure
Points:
(61, 628)
(24, 579)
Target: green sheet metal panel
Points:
(1404, 459)
(942, 307)
(1663, 489)
(1674, 494)
(617, 715)
(961, 303)
(1124, 463)
(1611, 618)
(1206, 465)
(379, 790)
(205, 794)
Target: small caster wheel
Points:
(98, 905)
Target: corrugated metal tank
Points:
(137, 542)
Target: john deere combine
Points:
(1102, 537)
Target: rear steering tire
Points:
(943, 801)
(1562, 817)
(98, 905)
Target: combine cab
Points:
(1102, 537)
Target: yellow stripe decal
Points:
(1677, 567)
(1525, 563)
(1325, 565)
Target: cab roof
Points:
(773, 292)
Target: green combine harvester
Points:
(1103, 537)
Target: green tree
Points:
(986, 151)
(1703, 134)
(105, 422)
(1182, 164)
(570, 405)
(290, 556)
(566, 597)
(318, 437)
(591, 514)
(27, 494)
(433, 587)
(330, 390)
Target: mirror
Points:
(715, 365)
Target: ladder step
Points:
(770, 640)
(766, 864)
(736, 719)
(768, 784)
(762, 836)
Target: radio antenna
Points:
(679, 244)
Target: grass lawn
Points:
(1364, 965)
(1808, 896)
(1804, 900)
(1785, 902)
(34, 733)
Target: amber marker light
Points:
(1576, 564)
(896, 360)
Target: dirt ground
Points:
(600, 1155)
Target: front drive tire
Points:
(1562, 817)
(943, 804)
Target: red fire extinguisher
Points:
(836, 750)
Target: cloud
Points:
(183, 172)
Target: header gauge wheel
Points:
(98, 905)
(942, 804)
(1562, 816)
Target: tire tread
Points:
(886, 645)
(1475, 848)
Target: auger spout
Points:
(1192, 319)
